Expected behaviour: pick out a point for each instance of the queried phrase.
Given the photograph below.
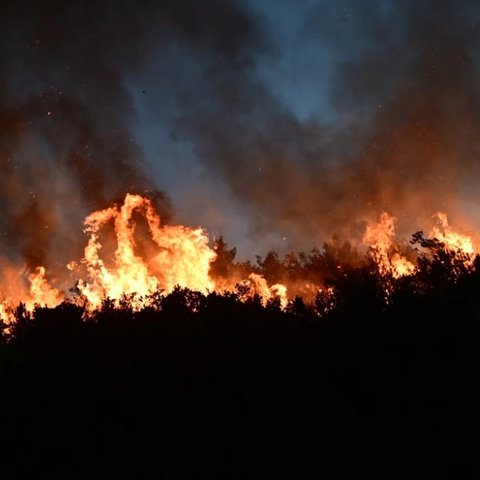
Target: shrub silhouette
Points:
(377, 378)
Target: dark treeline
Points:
(318, 266)
(378, 381)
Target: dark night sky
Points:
(274, 123)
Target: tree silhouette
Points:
(375, 377)
(224, 262)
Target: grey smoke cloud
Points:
(67, 145)
(403, 136)
(78, 79)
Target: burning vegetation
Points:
(131, 257)
(122, 344)
(168, 349)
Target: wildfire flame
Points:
(453, 241)
(258, 286)
(380, 236)
(181, 256)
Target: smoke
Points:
(66, 114)
(401, 135)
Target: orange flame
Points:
(30, 288)
(181, 257)
(380, 236)
(257, 285)
(455, 242)
(41, 292)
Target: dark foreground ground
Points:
(235, 390)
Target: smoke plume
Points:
(401, 135)
(67, 145)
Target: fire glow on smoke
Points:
(178, 256)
